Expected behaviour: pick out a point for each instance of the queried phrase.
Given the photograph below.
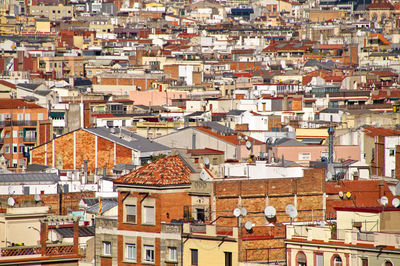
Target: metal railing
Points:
(9, 123)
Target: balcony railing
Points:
(18, 123)
(29, 139)
(20, 251)
(51, 250)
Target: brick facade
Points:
(108, 153)
(264, 243)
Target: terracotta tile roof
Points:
(385, 73)
(288, 46)
(205, 151)
(7, 84)
(231, 139)
(17, 103)
(380, 5)
(364, 193)
(330, 46)
(170, 170)
(375, 131)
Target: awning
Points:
(57, 114)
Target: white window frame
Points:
(126, 216)
(130, 256)
(106, 248)
(146, 212)
(150, 249)
(172, 254)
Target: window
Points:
(7, 148)
(228, 258)
(301, 259)
(172, 254)
(149, 253)
(391, 152)
(130, 252)
(337, 261)
(319, 260)
(305, 156)
(21, 134)
(26, 190)
(131, 213)
(106, 248)
(364, 261)
(40, 116)
(195, 257)
(149, 215)
(15, 133)
(21, 148)
(388, 263)
(15, 148)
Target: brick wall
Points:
(85, 150)
(305, 193)
(69, 201)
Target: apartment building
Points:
(23, 125)
(52, 12)
(153, 202)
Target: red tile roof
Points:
(17, 103)
(205, 151)
(7, 84)
(231, 139)
(364, 193)
(375, 131)
(170, 170)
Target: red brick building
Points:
(23, 125)
(151, 201)
(100, 147)
(265, 241)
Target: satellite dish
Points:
(341, 194)
(236, 212)
(243, 211)
(396, 202)
(270, 212)
(248, 225)
(239, 137)
(246, 137)
(203, 175)
(269, 140)
(37, 197)
(291, 211)
(384, 200)
(11, 201)
(397, 189)
(206, 161)
(248, 145)
(348, 194)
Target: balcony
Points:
(9, 123)
(49, 250)
(29, 139)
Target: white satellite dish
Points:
(291, 211)
(397, 190)
(384, 200)
(206, 161)
(11, 201)
(246, 137)
(248, 144)
(237, 212)
(37, 197)
(248, 225)
(396, 202)
(203, 175)
(243, 211)
(270, 212)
